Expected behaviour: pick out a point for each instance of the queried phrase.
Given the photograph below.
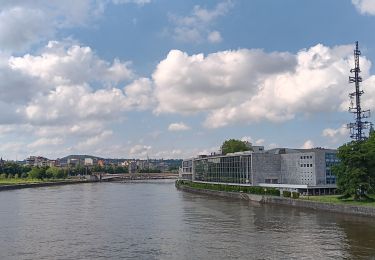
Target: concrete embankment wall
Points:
(347, 209)
(42, 184)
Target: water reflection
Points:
(155, 221)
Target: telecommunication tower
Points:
(357, 127)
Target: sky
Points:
(173, 79)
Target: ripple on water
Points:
(155, 221)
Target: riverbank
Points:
(302, 203)
(5, 187)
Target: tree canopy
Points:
(356, 171)
(233, 146)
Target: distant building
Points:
(303, 170)
(133, 167)
(89, 162)
(72, 162)
(37, 161)
(101, 163)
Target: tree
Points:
(56, 173)
(233, 146)
(37, 173)
(356, 171)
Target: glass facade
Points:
(228, 169)
(331, 160)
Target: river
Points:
(153, 220)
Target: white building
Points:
(304, 170)
(88, 162)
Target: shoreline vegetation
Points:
(20, 181)
(326, 199)
(13, 184)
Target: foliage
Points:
(337, 199)
(111, 169)
(37, 173)
(55, 173)
(295, 195)
(286, 194)
(229, 188)
(356, 171)
(10, 169)
(233, 146)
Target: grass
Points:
(335, 200)
(15, 181)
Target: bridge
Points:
(133, 176)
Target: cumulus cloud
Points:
(308, 145)
(365, 6)
(178, 127)
(75, 64)
(251, 85)
(66, 92)
(252, 141)
(196, 27)
(140, 151)
(335, 135)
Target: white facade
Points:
(89, 162)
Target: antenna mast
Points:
(357, 128)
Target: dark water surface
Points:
(152, 220)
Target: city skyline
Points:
(138, 78)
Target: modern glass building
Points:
(305, 168)
(227, 169)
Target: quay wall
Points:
(302, 203)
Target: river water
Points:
(153, 220)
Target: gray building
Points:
(303, 170)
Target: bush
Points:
(37, 173)
(16, 176)
(295, 195)
(3, 176)
(24, 175)
(286, 194)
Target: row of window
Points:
(306, 157)
(306, 165)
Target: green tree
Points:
(233, 146)
(37, 173)
(356, 171)
(55, 173)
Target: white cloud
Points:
(196, 27)
(365, 6)
(140, 151)
(214, 37)
(45, 142)
(308, 145)
(139, 94)
(26, 23)
(20, 27)
(336, 135)
(91, 142)
(252, 141)
(74, 64)
(246, 86)
(178, 127)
